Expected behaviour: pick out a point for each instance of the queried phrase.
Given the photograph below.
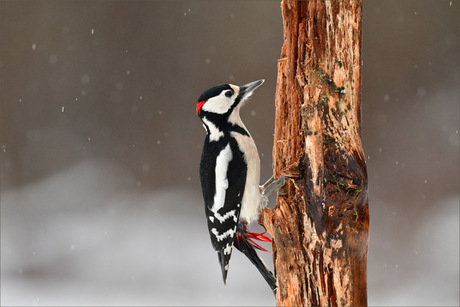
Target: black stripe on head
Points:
(213, 91)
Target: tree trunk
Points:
(320, 226)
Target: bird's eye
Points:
(229, 93)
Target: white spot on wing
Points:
(228, 249)
(224, 217)
(220, 237)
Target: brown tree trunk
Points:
(320, 227)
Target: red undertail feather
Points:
(251, 236)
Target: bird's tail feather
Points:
(246, 246)
(224, 259)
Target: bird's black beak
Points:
(247, 89)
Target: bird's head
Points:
(219, 102)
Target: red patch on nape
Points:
(199, 105)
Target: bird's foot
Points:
(275, 184)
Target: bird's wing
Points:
(223, 207)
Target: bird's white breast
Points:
(251, 198)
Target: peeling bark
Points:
(320, 226)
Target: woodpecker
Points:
(230, 175)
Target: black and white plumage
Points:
(230, 175)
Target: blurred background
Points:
(100, 147)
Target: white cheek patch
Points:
(221, 104)
(218, 104)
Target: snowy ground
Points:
(80, 238)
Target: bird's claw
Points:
(276, 185)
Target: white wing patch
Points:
(223, 159)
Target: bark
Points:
(320, 226)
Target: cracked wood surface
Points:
(320, 227)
